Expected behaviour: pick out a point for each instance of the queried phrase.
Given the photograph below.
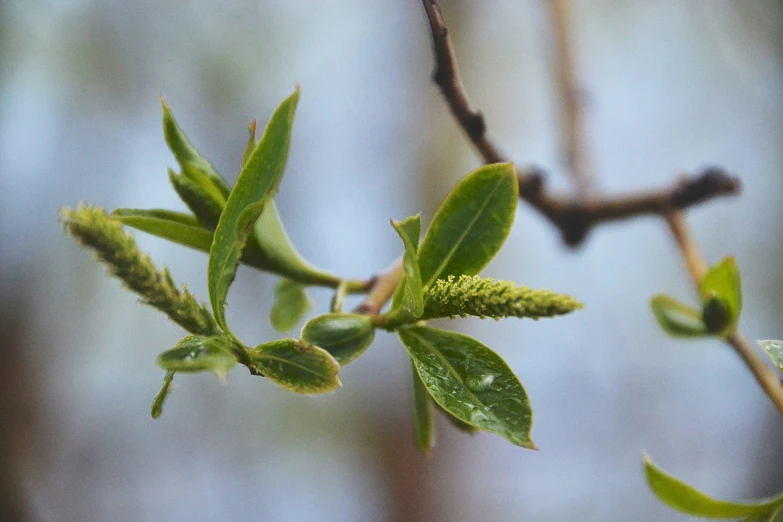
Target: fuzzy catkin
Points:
(93, 228)
(486, 297)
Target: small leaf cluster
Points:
(687, 499)
(721, 303)
(453, 373)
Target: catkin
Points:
(93, 228)
(486, 297)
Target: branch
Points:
(381, 289)
(573, 218)
(575, 139)
(697, 266)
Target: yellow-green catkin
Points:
(486, 297)
(93, 228)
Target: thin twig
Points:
(575, 138)
(381, 290)
(572, 217)
(697, 266)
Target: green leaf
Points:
(470, 381)
(408, 304)
(471, 224)
(345, 336)
(196, 353)
(296, 367)
(173, 226)
(723, 282)
(186, 154)
(206, 208)
(456, 423)
(160, 398)
(687, 499)
(291, 303)
(271, 242)
(677, 319)
(181, 228)
(774, 350)
(255, 186)
(278, 254)
(423, 416)
(251, 141)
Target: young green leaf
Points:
(291, 303)
(677, 319)
(345, 336)
(186, 154)
(251, 141)
(183, 229)
(254, 188)
(423, 414)
(173, 226)
(271, 242)
(408, 304)
(278, 254)
(687, 499)
(471, 224)
(296, 367)
(471, 382)
(160, 398)
(205, 207)
(196, 353)
(774, 350)
(722, 283)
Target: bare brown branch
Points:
(574, 218)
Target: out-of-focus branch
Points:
(575, 146)
(697, 266)
(574, 218)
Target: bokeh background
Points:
(671, 86)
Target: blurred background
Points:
(671, 86)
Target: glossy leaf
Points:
(206, 209)
(774, 350)
(291, 303)
(423, 414)
(345, 336)
(173, 226)
(160, 398)
(471, 224)
(470, 381)
(689, 500)
(723, 281)
(408, 304)
(677, 319)
(195, 353)
(186, 154)
(296, 367)
(456, 423)
(254, 188)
